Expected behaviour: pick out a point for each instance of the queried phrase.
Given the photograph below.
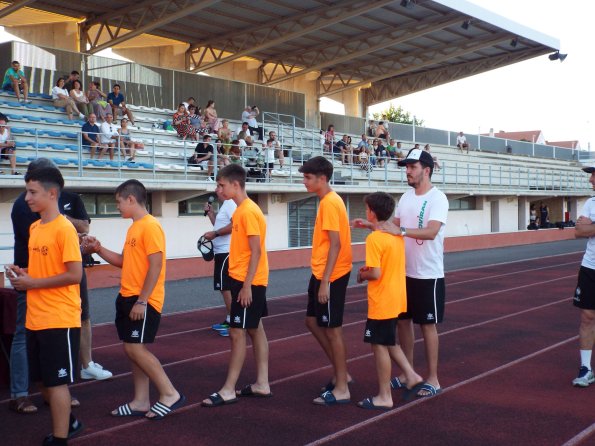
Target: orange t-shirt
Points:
(387, 295)
(51, 246)
(248, 220)
(144, 237)
(331, 216)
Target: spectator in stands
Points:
(90, 134)
(116, 100)
(380, 152)
(62, 99)
(181, 122)
(364, 142)
(225, 136)
(211, 116)
(97, 99)
(69, 83)
(195, 116)
(15, 80)
(544, 216)
(344, 148)
(436, 163)
(108, 136)
(382, 131)
(7, 147)
(362, 158)
(462, 142)
(249, 115)
(247, 142)
(372, 126)
(278, 149)
(203, 154)
(391, 148)
(532, 217)
(188, 103)
(329, 136)
(235, 153)
(222, 158)
(80, 99)
(269, 157)
(126, 141)
(243, 131)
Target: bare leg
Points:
(85, 347)
(383, 371)
(17, 89)
(587, 330)
(59, 399)
(431, 343)
(261, 356)
(226, 299)
(339, 361)
(406, 339)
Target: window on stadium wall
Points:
(301, 216)
(104, 205)
(462, 204)
(195, 206)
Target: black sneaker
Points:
(75, 428)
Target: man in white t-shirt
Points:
(584, 295)
(108, 136)
(249, 115)
(221, 237)
(462, 143)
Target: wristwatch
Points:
(403, 231)
(216, 233)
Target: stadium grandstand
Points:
(282, 57)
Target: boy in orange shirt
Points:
(387, 298)
(331, 268)
(249, 275)
(53, 321)
(140, 301)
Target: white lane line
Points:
(583, 435)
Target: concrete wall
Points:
(62, 35)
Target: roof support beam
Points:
(248, 42)
(133, 21)
(410, 83)
(14, 7)
(338, 54)
(345, 77)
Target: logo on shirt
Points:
(430, 317)
(368, 334)
(44, 250)
(133, 242)
(134, 334)
(237, 320)
(67, 207)
(62, 373)
(420, 217)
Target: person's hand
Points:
(389, 227)
(324, 291)
(90, 245)
(210, 235)
(23, 281)
(137, 313)
(245, 296)
(583, 220)
(360, 223)
(359, 273)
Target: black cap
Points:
(206, 248)
(589, 169)
(416, 155)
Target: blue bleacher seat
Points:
(60, 161)
(57, 146)
(32, 118)
(18, 131)
(22, 159)
(48, 107)
(146, 165)
(45, 96)
(69, 135)
(72, 147)
(42, 145)
(31, 158)
(131, 165)
(54, 134)
(97, 163)
(114, 163)
(21, 144)
(32, 106)
(13, 104)
(85, 162)
(11, 116)
(52, 121)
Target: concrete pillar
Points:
(523, 213)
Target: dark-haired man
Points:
(116, 100)
(15, 80)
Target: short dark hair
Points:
(15, 62)
(116, 85)
(134, 188)
(318, 166)
(382, 204)
(48, 177)
(76, 81)
(427, 165)
(39, 163)
(190, 99)
(233, 172)
(75, 72)
(58, 80)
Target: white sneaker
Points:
(585, 378)
(81, 116)
(95, 371)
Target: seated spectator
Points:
(203, 154)
(222, 158)
(436, 163)
(188, 103)
(364, 142)
(181, 122)
(90, 133)
(116, 100)
(391, 148)
(98, 101)
(69, 82)
(62, 99)
(249, 115)
(380, 152)
(235, 152)
(126, 141)
(247, 143)
(329, 136)
(225, 136)
(382, 131)
(7, 147)
(195, 116)
(462, 142)
(80, 99)
(372, 128)
(108, 136)
(278, 150)
(361, 158)
(15, 80)
(211, 117)
(243, 131)
(344, 148)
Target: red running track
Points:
(508, 355)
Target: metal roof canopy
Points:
(391, 48)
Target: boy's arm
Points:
(584, 227)
(81, 226)
(91, 245)
(368, 273)
(72, 276)
(155, 267)
(245, 295)
(331, 260)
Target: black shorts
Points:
(249, 317)
(381, 332)
(135, 332)
(425, 300)
(330, 314)
(584, 294)
(53, 355)
(85, 316)
(220, 275)
(6, 151)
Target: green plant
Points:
(398, 115)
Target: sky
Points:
(538, 94)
